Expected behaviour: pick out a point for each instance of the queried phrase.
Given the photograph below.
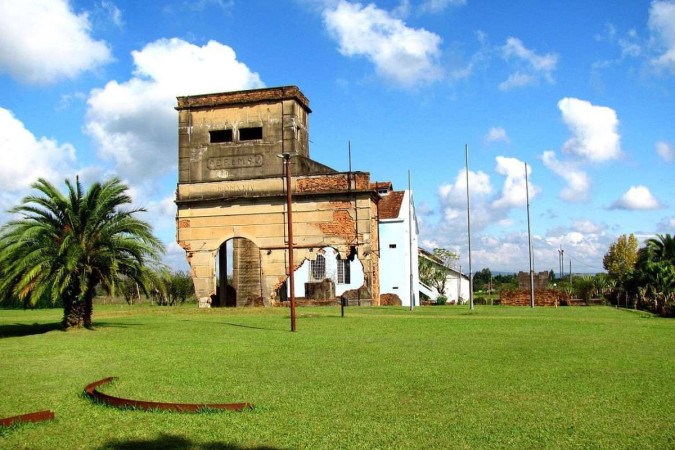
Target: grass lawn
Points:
(438, 377)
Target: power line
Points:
(584, 264)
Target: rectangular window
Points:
(250, 134)
(344, 272)
(317, 269)
(392, 245)
(218, 136)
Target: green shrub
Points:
(441, 300)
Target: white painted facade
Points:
(399, 270)
(347, 277)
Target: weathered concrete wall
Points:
(283, 115)
(246, 273)
(540, 280)
(208, 215)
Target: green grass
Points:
(438, 377)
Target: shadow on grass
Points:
(98, 324)
(23, 329)
(245, 326)
(238, 325)
(167, 441)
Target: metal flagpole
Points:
(468, 225)
(529, 239)
(410, 249)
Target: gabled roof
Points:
(390, 205)
(376, 186)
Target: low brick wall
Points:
(542, 297)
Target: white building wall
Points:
(302, 274)
(457, 288)
(397, 245)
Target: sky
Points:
(580, 93)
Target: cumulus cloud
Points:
(666, 151)
(594, 130)
(133, 123)
(496, 134)
(45, 41)
(454, 194)
(662, 26)
(514, 190)
(637, 198)
(452, 198)
(530, 66)
(26, 157)
(402, 55)
(578, 182)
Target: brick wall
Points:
(542, 297)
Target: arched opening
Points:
(344, 272)
(238, 274)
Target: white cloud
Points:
(113, 12)
(25, 157)
(496, 134)
(405, 56)
(666, 151)
(133, 123)
(454, 194)
(587, 227)
(531, 67)
(436, 6)
(578, 183)
(175, 257)
(662, 26)
(44, 41)
(514, 190)
(594, 130)
(637, 198)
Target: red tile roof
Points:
(390, 205)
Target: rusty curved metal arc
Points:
(39, 416)
(120, 402)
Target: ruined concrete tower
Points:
(231, 188)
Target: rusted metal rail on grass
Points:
(119, 402)
(39, 416)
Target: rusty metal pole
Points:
(291, 275)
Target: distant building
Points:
(399, 274)
(457, 286)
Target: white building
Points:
(398, 263)
(456, 286)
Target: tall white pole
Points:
(410, 246)
(529, 240)
(468, 224)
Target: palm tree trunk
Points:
(73, 313)
(88, 309)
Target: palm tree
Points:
(663, 248)
(63, 246)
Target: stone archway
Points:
(238, 273)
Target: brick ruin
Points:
(543, 296)
(231, 188)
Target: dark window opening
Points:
(250, 134)
(344, 271)
(392, 245)
(218, 136)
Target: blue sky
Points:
(582, 92)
